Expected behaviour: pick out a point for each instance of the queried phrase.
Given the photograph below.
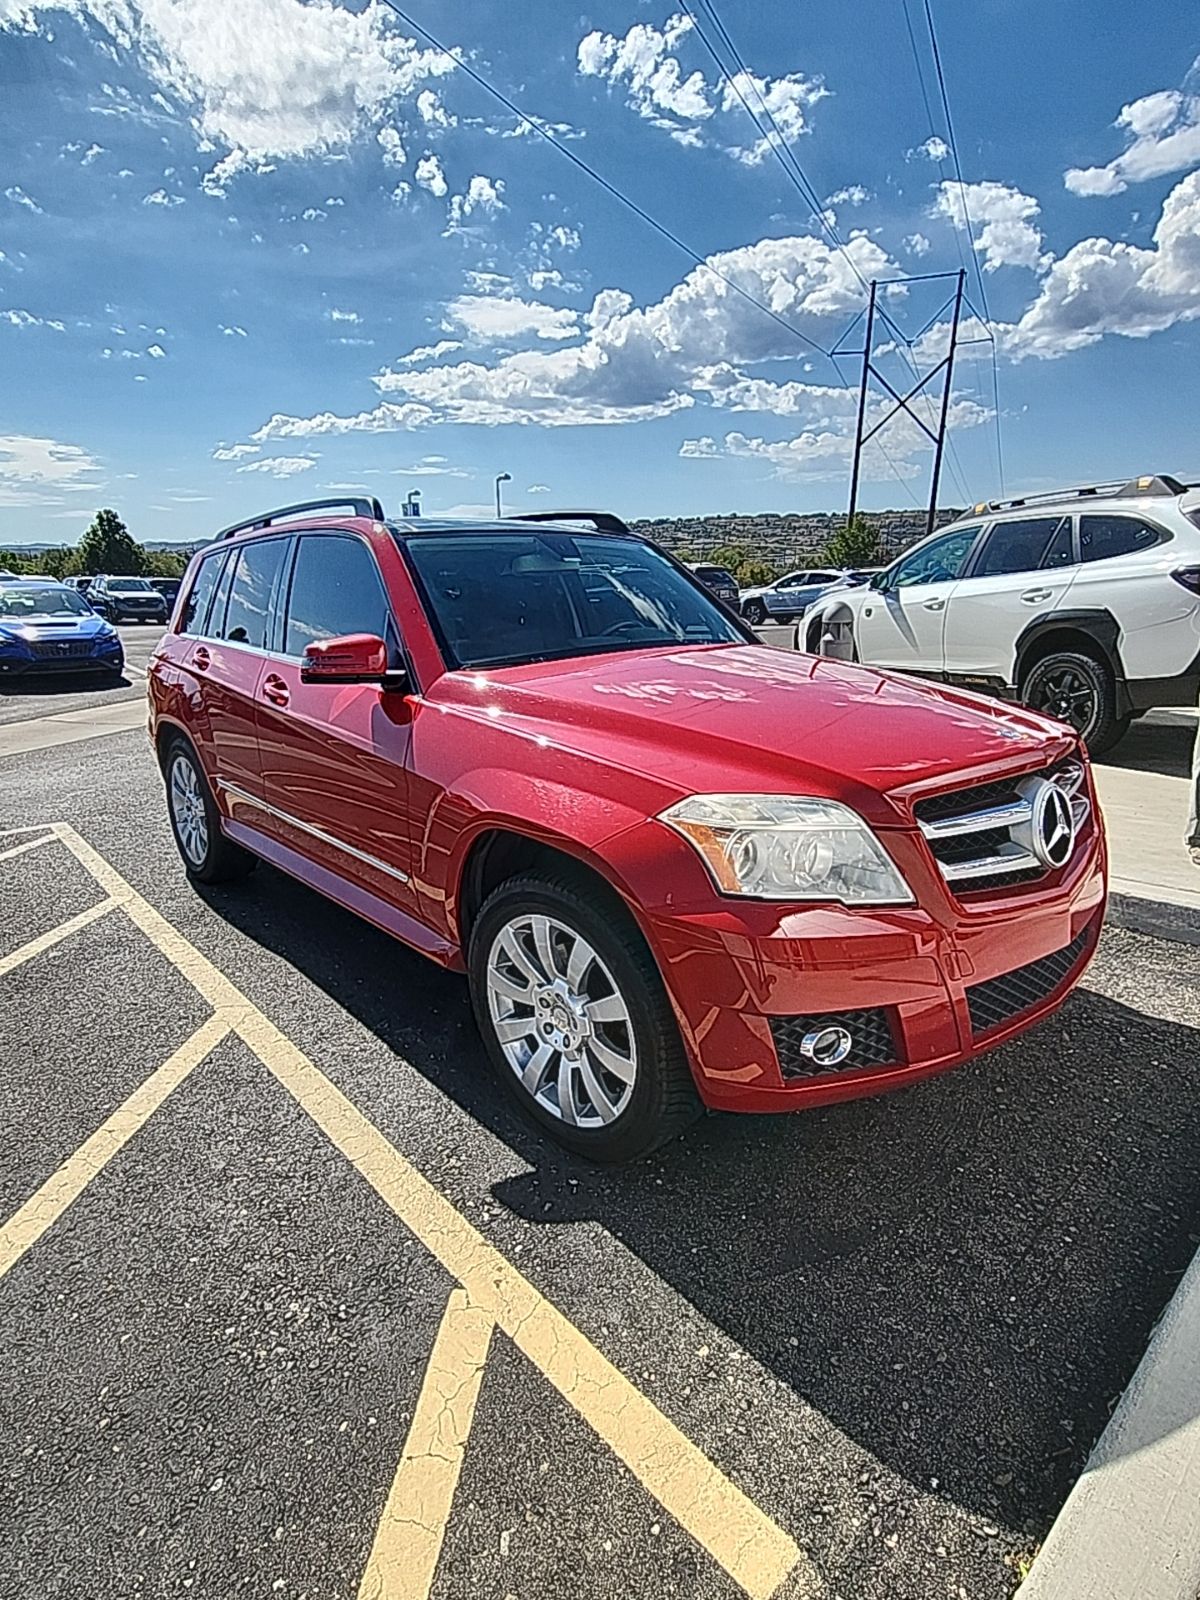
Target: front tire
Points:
(755, 613)
(575, 1017)
(208, 856)
(1078, 689)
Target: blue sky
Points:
(253, 251)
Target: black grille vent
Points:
(981, 798)
(870, 1029)
(1002, 999)
(61, 649)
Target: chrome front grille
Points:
(982, 837)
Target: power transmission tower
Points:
(903, 402)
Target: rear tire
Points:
(1079, 689)
(554, 1054)
(207, 855)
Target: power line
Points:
(962, 189)
(609, 188)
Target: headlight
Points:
(788, 847)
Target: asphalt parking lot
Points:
(293, 1304)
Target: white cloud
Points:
(431, 467)
(1163, 134)
(19, 198)
(155, 351)
(538, 488)
(632, 363)
(216, 181)
(429, 175)
(645, 63)
(429, 352)
(281, 466)
(313, 214)
(235, 452)
(1100, 286)
(392, 145)
(852, 195)
(160, 197)
(233, 332)
(483, 194)
(30, 466)
(918, 244)
(27, 319)
(934, 149)
(702, 449)
(282, 78)
(336, 315)
(432, 112)
(496, 318)
(1002, 218)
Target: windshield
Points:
(499, 599)
(22, 605)
(123, 585)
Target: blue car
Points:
(46, 627)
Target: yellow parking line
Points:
(47, 941)
(756, 1553)
(30, 844)
(404, 1557)
(43, 1208)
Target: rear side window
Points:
(248, 615)
(1025, 546)
(195, 610)
(1102, 537)
(336, 589)
(714, 575)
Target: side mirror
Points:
(879, 580)
(352, 658)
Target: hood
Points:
(747, 718)
(28, 630)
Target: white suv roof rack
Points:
(1117, 489)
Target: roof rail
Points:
(1115, 488)
(363, 506)
(602, 521)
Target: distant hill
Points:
(784, 539)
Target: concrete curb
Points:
(1130, 1529)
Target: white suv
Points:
(1084, 605)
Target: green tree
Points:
(108, 546)
(753, 572)
(166, 563)
(855, 545)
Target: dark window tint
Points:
(247, 617)
(794, 580)
(1025, 546)
(336, 589)
(1101, 537)
(939, 561)
(195, 611)
(823, 577)
(715, 575)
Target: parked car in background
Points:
(788, 597)
(127, 600)
(678, 867)
(47, 627)
(717, 580)
(168, 588)
(1083, 604)
(79, 585)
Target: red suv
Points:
(678, 867)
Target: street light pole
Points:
(502, 477)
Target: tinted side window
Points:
(1102, 537)
(195, 610)
(1023, 546)
(336, 589)
(247, 617)
(941, 561)
(794, 580)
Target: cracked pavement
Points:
(895, 1327)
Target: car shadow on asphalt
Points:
(961, 1276)
(60, 684)
(1160, 747)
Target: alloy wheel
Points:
(561, 1021)
(1066, 692)
(188, 810)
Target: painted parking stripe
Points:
(30, 844)
(753, 1550)
(47, 941)
(43, 1208)
(404, 1557)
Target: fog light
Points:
(827, 1047)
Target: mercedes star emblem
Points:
(1053, 825)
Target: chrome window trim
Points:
(310, 828)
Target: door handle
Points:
(201, 658)
(934, 605)
(275, 690)
(1032, 596)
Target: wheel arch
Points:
(1094, 632)
(821, 617)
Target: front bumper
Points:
(733, 971)
(35, 666)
